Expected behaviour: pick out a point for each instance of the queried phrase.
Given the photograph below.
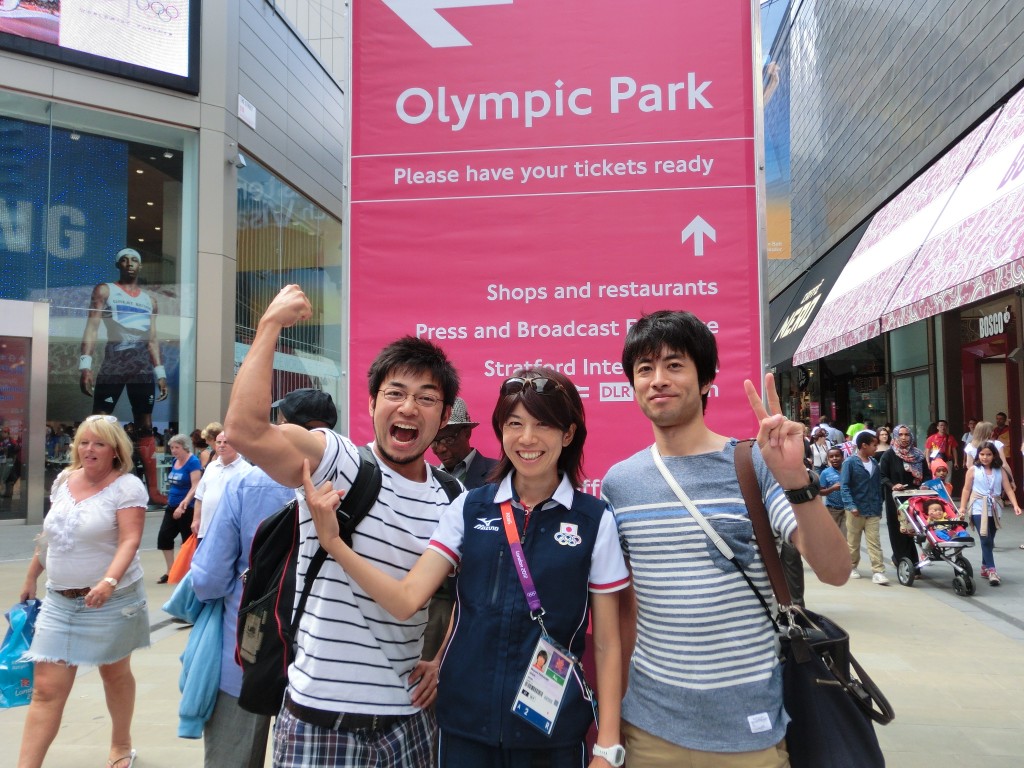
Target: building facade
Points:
(895, 167)
(149, 211)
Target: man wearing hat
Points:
(470, 467)
(131, 359)
(232, 737)
(457, 456)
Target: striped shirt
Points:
(352, 655)
(704, 672)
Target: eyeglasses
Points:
(394, 395)
(105, 416)
(447, 440)
(540, 384)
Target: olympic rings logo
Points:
(161, 11)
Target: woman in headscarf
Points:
(903, 467)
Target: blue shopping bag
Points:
(16, 674)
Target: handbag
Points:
(16, 674)
(831, 700)
(183, 562)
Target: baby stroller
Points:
(940, 540)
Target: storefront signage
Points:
(802, 315)
(529, 178)
(993, 324)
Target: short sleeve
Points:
(608, 572)
(131, 493)
(450, 532)
(340, 462)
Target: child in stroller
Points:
(934, 522)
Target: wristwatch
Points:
(110, 580)
(615, 754)
(808, 493)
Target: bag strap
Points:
(355, 505)
(712, 534)
(759, 518)
(452, 487)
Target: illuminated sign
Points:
(147, 40)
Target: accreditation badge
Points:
(544, 685)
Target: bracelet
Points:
(85, 363)
(159, 372)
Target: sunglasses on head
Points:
(540, 385)
(105, 416)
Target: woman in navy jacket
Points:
(571, 548)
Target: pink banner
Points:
(528, 178)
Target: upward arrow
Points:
(423, 18)
(698, 229)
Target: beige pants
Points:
(645, 750)
(855, 524)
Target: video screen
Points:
(147, 40)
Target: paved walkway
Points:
(952, 667)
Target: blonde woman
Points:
(94, 612)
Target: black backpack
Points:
(266, 627)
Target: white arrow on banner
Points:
(423, 18)
(698, 229)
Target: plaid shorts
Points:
(407, 744)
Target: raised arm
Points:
(782, 445)
(276, 449)
(100, 294)
(399, 598)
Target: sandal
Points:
(118, 763)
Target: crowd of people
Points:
(859, 470)
(390, 666)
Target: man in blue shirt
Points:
(861, 488)
(233, 737)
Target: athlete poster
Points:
(529, 177)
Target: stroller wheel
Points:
(966, 565)
(964, 585)
(905, 572)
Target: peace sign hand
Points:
(781, 441)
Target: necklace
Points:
(94, 483)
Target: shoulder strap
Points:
(759, 518)
(354, 507)
(452, 487)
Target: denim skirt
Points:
(69, 632)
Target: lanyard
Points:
(519, 561)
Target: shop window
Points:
(93, 223)
(284, 237)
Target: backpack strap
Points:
(355, 505)
(452, 487)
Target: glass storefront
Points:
(283, 238)
(97, 223)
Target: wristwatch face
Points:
(615, 755)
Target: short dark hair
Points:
(677, 331)
(864, 437)
(835, 448)
(411, 355)
(562, 408)
(997, 460)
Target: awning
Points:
(792, 311)
(953, 237)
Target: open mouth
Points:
(404, 433)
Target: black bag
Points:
(267, 628)
(831, 710)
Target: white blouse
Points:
(82, 535)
